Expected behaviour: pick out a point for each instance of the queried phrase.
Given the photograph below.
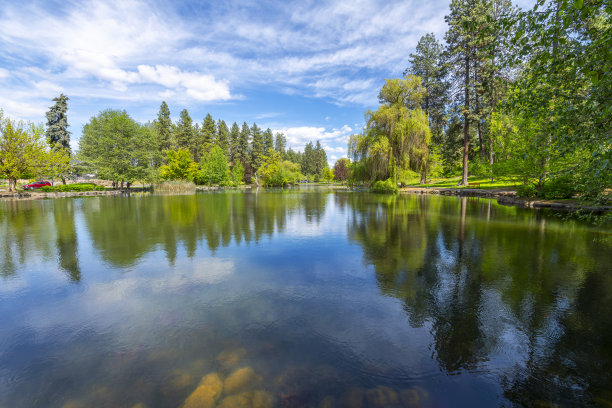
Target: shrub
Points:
(46, 189)
(561, 187)
(386, 186)
(526, 190)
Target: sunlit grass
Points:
(452, 182)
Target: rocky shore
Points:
(509, 197)
(34, 195)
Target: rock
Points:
(73, 404)
(140, 405)
(243, 400)
(249, 399)
(231, 358)
(241, 380)
(207, 394)
(413, 397)
(382, 396)
(263, 399)
(176, 382)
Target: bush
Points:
(526, 190)
(46, 189)
(78, 187)
(386, 186)
(562, 187)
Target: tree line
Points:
(116, 147)
(508, 93)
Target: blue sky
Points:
(307, 68)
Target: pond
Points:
(306, 297)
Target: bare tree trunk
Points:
(480, 140)
(466, 124)
(11, 184)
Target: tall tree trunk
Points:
(11, 184)
(466, 124)
(490, 148)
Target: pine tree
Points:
(223, 137)
(461, 41)
(280, 144)
(243, 152)
(163, 128)
(234, 142)
(257, 147)
(184, 133)
(209, 133)
(57, 133)
(268, 142)
(428, 63)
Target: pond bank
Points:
(35, 195)
(509, 197)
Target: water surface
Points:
(316, 297)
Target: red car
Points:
(36, 184)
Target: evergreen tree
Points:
(163, 128)
(209, 133)
(257, 147)
(308, 161)
(280, 144)
(184, 133)
(57, 133)
(268, 142)
(223, 137)
(320, 159)
(243, 152)
(428, 63)
(234, 142)
(461, 39)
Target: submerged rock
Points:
(414, 397)
(231, 358)
(241, 380)
(177, 382)
(207, 394)
(382, 396)
(73, 404)
(250, 399)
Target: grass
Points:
(485, 183)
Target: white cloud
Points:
(298, 136)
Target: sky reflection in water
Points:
(338, 298)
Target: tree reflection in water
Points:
(486, 285)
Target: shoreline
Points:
(508, 198)
(503, 196)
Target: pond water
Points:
(307, 297)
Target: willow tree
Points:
(397, 135)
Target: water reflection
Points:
(494, 289)
(337, 298)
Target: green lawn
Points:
(451, 182)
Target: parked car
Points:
(36, 184)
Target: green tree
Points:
(163, 128)
(214, 167)
(268, 141)
(237, 173)
(180, 166)
(223, 137)
(57, 133)
(257, 147)
(280, 143)
(462, 39)
(209, 134)
(397, 136)
(184, 133)
(118, 148)
(234, 142)
(243, 152)
(22, 150)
